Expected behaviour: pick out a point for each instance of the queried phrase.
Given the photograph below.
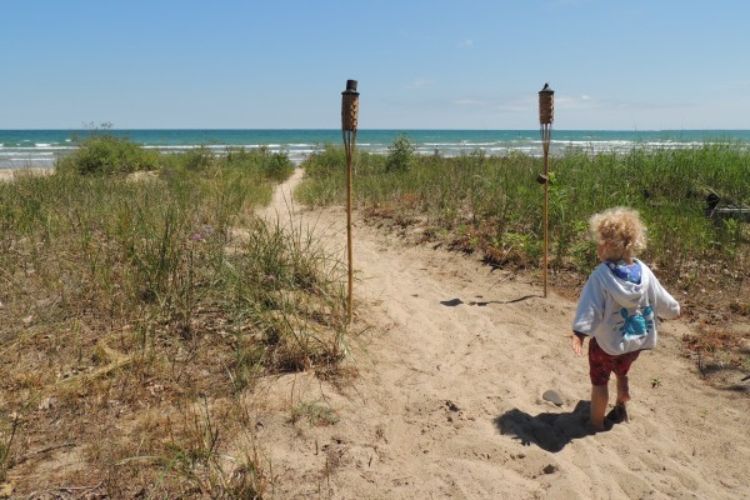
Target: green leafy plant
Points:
(400, 155)
(108, 155)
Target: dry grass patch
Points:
(133, 324)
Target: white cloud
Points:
(567, 102)
(530, 103)
(583, 101)
(420, 83)
(468, 102)
(466, 44)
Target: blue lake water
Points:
(40, 148)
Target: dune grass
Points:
(137, 309)
(492, 203)
(492, 206)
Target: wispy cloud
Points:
(587, 102)
(529, 103)
(469, 102)
(576, 102)
(466, 44)
(420, 83)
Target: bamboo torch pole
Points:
(546, 117)
(349, 112)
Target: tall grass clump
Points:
(124, 293)
(325, 173)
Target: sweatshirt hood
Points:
(624, 292)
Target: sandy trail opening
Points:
(453, 360)
(282, 206)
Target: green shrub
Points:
(400, 155)
(108, 155)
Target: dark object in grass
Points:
(721, 209)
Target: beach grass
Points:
(492, 206)
(140, 302)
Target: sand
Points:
(453, 360)
(8, 174)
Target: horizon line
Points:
(417, 129)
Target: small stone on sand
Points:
(553, 397)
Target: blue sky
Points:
(421, 64)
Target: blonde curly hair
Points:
(620, 231)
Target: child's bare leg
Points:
(599, 400)
(619, 413)
(623, 390)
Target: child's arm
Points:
(590, 309)
(577, 343)
(665, 305)
(588, 314)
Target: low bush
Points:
(108, 155)
(400, 155)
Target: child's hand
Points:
(577, 344)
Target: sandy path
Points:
(448, 401)
(282, 202)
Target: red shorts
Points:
(602, 364)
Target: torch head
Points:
(349, 106)
(546, 105)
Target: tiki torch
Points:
(349, 112)
(546, 117)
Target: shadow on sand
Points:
(549, 431)
(482, 303)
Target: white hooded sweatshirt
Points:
(622, 315)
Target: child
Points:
(618, 309)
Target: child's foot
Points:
(597, 427)
(593, 428)
(602, 426)
(618, 414)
